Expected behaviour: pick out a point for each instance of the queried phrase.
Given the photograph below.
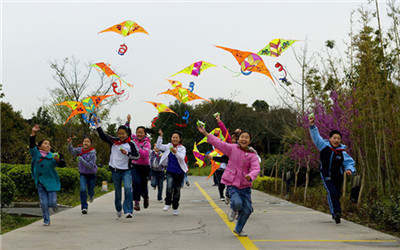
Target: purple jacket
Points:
(86, 161)
(241, 163)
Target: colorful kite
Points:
(276, 47)
(88, 105)
(175, 83)
(249, 61)
(196, 68)
(109, 72)
(162, 107)
(280, 69)
(198, 156)
(183, 95)
(126, 28)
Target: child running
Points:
(123, 151)
(243, 168)
(157, 172)
(141, 167)
(86, 158)
(174, 158)
(44, 173)
(334, 161)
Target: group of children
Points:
(132, 160)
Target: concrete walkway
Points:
(201, 224)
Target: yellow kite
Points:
(126, 28)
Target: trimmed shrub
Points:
(266, 183)
(22, 178)
(69, 178)
(103, 174)
(387, 212)
(7, 190)
(5, 167)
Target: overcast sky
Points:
(181, 33)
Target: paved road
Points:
(201, 224)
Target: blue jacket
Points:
(86, 161)
(43, 169)
(332, 161)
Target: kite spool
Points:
(104, 187)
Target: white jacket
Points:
(180, 154)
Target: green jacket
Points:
(43, 170)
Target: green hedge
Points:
(5, 167)
(103, 174)
(69, 178)
(22, 177)
(266, 183)
(7, 190)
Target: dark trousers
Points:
(334, 188)
(140, 176)
(173, 194)
(221, 186)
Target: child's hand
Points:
(311, 120)
(123, 151)
(218, 117)
(35, 128)
(128, 118)
(160, 132)
(96, 121)
(248, 178)
(348, 172)
(209, 157)
(202, 130)
(57, 158)
(173, 150)
(69, 140)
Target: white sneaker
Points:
(128, 215)
(160, 201)
(166, 208)
(119, 214)
(176, 212)
(84, 211)
(231, 215)
(242, 233)
(222, 199)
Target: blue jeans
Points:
(140, 176)
(185, 179)
(173, 196)
(241, 203)
(157, 180)
(47, 199)
(87, 183)
(118, 177)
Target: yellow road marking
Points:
(246, 242)
(326, 240)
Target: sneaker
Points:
(146, 203)
(187, 184)
(227, 200)
(232, 215)
(84, 211)
(160, 201)
(128, 215)
(337, 218)
(91, 199)
(222, 199)
(46, 224)
(166, 208)
(176, 212)
(137, 207)
(242, 233)
(119, 214)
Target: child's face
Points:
(335, 140)
(45, 146)
(244, 140)
(86, 143)
(175, 139)
(140, 134)
(155, 148)
(122, 135)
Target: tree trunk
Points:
(296, 175)
(307, 179)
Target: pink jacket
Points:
(144, 146)
(241, 163)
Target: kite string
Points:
(233, 95)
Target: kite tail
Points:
(130, 85)
(237, 73)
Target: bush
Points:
(387, 212)
(69, 178)
(266, 183)
(7, 190)
(103, 174)
(5, 167)
(22, 177)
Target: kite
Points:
(181, 125)
(183, 95)
(276, 47)
(280, 68)
(196, 68)
(175, 83)
(249, 61)
(198, 156)
(191, 86)
(121, 94)
(122, 50)
(109, 72)
(126, 28)
(152, 122)
(88, 105)
(162, 107)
